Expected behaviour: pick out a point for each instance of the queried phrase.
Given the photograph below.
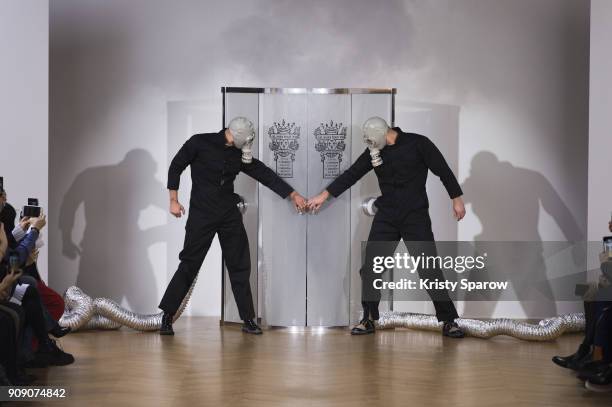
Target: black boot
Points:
(4, 380)
(452, 330)
(58, 331)
(22, 378)
(592, 369)
(166, 325)
(565, 361)
(49, 354)
(602, 382)
(365, 327)
(250, 327)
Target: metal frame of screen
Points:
(317, 91)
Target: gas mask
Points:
(375, 136)
(243, 132)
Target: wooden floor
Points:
(209, 365)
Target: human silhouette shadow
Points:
(114, 259)
(507, 200)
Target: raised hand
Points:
(25, 222)
(7, 282)
(39, 222)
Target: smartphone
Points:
(607, 245)
(13, 263)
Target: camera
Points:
(31, 210)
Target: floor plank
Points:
(205, 364)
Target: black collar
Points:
(219, 138)
(399, 137)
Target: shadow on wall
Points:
(507, 199)
(113, 197)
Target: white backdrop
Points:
(516, 71)
(600, 123)
(24, 104)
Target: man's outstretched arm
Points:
(347, 179)
(262, 173)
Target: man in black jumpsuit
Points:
(215, 162)
(402, 213)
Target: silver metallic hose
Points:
(82, 313)
(78, 310)
(100, 322)
(546, 330)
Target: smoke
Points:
(322, 43)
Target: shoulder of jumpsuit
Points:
(202, 139)
(219, 137)
(403, 136)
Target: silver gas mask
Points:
(243, 133)
(375, 136)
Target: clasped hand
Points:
(311, 205)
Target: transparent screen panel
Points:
(282, 246)
(328, 265)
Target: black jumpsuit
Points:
(402, 210)
(212, 210)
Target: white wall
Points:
(24, 104)
(516, 71)
(600, 120)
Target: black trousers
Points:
(200, 231)
(35, 314)
(415, 230)
(12, 321)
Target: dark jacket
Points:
(22, 250)
(7, 217)
(403, 174)
(214, 167)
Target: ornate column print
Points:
(330, 144)
(284, 143)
